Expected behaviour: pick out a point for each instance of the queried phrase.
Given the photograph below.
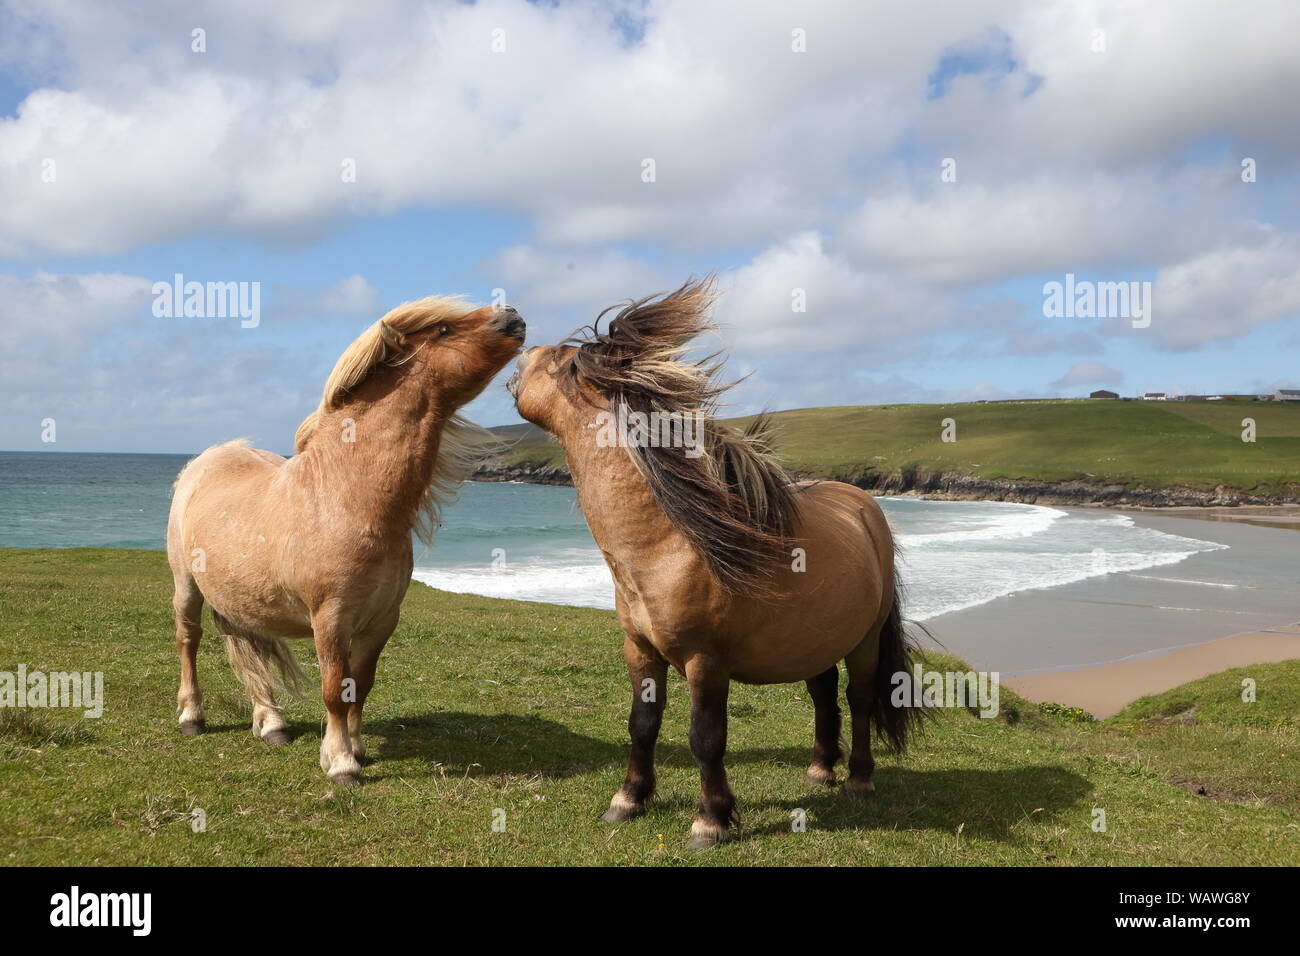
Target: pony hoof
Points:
(621, 809)
(345, 781)
(821, 776)
(192, 728)
(621, 814)
(703, 841)
(860, 789)
(277, 738)
(705, 836)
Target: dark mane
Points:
(733, 503)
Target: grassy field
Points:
(484, 704)
(1153, 445)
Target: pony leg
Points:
(861, 665)
(709, 686)
(362, 661)
(336, 757)
(268, 722)
(188, 606)
(649, 676)
(824, 690)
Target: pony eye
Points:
(444, 329)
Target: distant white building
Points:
(1155, 397)
(1287, 395)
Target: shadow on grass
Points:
(513, 743)
(984, 803)
(491, 743)
(246, 727)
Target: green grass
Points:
(484, 704)
(1154, 445)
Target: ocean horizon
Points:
(529, 542)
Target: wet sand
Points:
(1108, 689)
(1263, 516)
(1102, 643)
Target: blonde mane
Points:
(463, 444)
(384, 343)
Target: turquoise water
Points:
(71, 500)
(75, 500)
(529, 542)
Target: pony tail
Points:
(895, 725)
(265, 665)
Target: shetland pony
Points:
(319, 545)
(723, 568)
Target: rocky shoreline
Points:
(528, 474)
(958, 487)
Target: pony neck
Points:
(617, 503)
(382, 473)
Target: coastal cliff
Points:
(1067, 452)
(960, 487)
(1028, 491)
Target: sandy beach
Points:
(1101, 643)
(1263, 516)
(1106, 690)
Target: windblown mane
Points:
(733, 503)
(463, 444)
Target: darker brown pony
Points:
(722, 567)
(734, 502)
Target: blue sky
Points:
(501, 145)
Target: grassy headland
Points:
(1072, 449)
(484, 704)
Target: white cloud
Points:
(751, 140)
(1169, 73)
(815, 170)
(49, 321)
(87, 351)
(845, 306)
(1089, 373)
(1224, 293)
(353, 296)
(969, 231)
(540, 278)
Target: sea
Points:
(529, 542)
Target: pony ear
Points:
(392, 338)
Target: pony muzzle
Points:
(509, 322)
(512, 386)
